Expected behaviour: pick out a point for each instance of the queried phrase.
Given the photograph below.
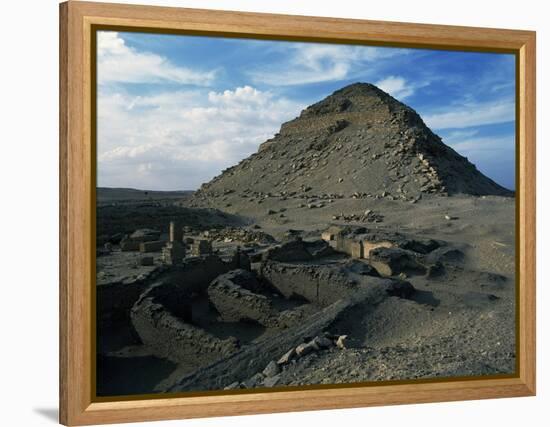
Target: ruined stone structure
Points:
(134, 241)
(230, 296)
(173, 253)
(356, 242)
(298, 250)
(320, 284)
(360, 242)
(127, 245)
(201, 247)
(175, 232)
(227, 306)
(153, 246)
(171, 337)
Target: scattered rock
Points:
(272, 381)
(271, 369)
(234, 385)
(242, 235)
(287, 357)
(341, 341)
(306, 348)
(254, 381)
(367, 216)
(322, 342)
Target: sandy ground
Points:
(460, 324)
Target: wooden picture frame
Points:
(77, 191)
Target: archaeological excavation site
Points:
(354, 246)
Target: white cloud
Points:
(459, 135)
(117, 62)
(396, 86)
(472, 114)
(312, 63)
(179, 140)
(482, 147)
(245, 93)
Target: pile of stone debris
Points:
(367, 216)
(243, 235)
(270, 376)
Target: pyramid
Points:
(359, 141)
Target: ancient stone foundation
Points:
(171, 337)
(236, 303)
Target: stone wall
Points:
(170, 337)
(235, 304)
(321, 285)
(115, 300)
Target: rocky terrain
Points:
(354, 246)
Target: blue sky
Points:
(173, 111)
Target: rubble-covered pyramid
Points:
(359, 141)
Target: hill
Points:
(358, 142)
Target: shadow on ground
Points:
(51, 414)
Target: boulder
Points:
(322, 341)
(287, 357)
(272, 381)
(306, 348)
(271, 369)
(341, 342)
(254, 381)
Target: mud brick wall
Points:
(319, 284)
(174, 339)
(235, 303)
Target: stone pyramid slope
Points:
(357, 142)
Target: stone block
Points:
(154, 246)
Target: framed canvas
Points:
(264, 213)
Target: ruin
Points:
(236, 302)
(267, 292)
(170, 332)
(360, 242)
(175, 232)
(173, 253)
(200, 247)
(152, 246)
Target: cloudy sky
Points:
(173, 111)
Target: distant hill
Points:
(357, 140)
(106, 194)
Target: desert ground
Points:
(354, 246)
